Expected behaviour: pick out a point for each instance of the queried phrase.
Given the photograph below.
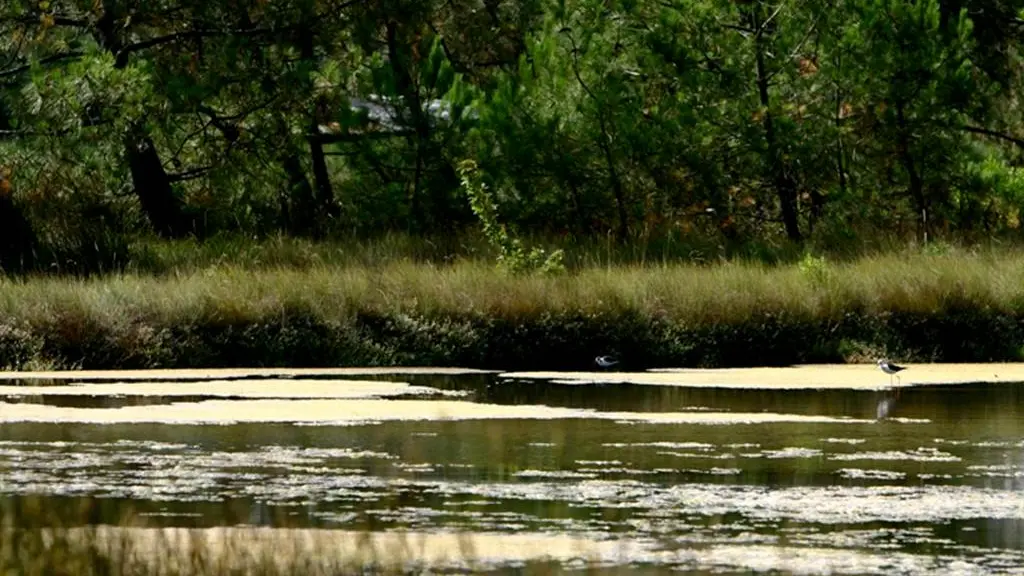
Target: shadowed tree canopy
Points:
(728, 121)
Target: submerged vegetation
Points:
(311, 310)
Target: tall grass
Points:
(726, 292)
(408, 311)
(152, 256)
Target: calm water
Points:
(931, 481)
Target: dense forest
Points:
(799, 120)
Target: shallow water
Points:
(931, 480)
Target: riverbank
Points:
(954, 307)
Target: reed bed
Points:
(407, 311)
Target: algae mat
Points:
(336, 389)
(186, 374)
(367, 411)
(817, 376)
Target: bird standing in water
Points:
(891, 369)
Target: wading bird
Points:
(891, 369)
(605, 361)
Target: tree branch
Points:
(123, 53)
(764, 25)
(12, 134)
(742, 29)
(71, 22)
(800, 45)
(48, 60)
(357, 136)
(35, 18)
(189, 174)
(993, 134)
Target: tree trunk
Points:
(428, 154)
(324, 189)
(17, 239)
(411, 99)
(151, 184)
(153, 188)
(578, 210)
(324, 199)
(916, 184)
(613, 175)
(298, 206)
(785, 187)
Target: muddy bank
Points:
(541, 341)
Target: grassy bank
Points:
(955, 306)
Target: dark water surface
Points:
(931, 481)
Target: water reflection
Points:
(936, 471)
(885, 405)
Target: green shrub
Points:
(512, 256)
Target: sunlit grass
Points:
(134, 312)
(727, 292)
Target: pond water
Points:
(656, 477)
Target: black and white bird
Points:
(605, 361)
(891, 369)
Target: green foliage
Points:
(729, 126)
(512, 256)
(814, 268)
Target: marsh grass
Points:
(145, 256)
(947, 304)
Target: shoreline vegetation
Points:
(677, 184)
(287, 303)
(723, 121)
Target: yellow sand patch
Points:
(227, 373)
(838, 376)
(337, 389)
(362, 411)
